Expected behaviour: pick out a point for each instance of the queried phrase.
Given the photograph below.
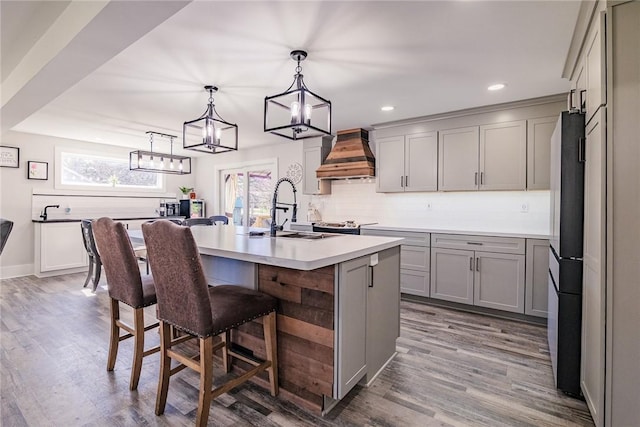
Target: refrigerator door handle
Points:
(582, 148)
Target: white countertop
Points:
(234, 242)
(527, 234)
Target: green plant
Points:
(186, 190)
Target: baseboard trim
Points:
(21, 270)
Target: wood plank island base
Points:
(338, 312)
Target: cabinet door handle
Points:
(475, 179)
(471, 263)
(406, 180)
(481, 178)
(583, 101)
(401, 181)
(371, 282)
(478, 264)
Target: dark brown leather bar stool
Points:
(95, 265)
(126, 285)
(186, 302)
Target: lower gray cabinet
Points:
(493, 277)
(537, 277)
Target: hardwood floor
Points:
(452, 368)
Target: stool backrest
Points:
(119, 262)
(219, 218)
(197, 221)
(87, 237)
(181, 287)
(5, 229)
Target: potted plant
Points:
(185, 191)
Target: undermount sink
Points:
(304, 236)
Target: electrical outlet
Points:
(524, 207)
(429, 206)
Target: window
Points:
(102, 171)
(246, 193)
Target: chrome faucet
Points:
(275, 206)
(43, 215)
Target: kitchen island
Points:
(338, 312)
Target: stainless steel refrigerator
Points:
(564, 321)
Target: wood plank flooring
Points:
(452, 369)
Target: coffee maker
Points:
(172, 208)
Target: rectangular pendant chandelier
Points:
(153, 161)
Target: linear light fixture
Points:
(209, 133)
(289, 114)
(150, 161)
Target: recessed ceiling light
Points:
(387, 108)
(497, 86)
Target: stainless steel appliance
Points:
(192, 208)
(346, 227)
(565, 251)
(172, 208)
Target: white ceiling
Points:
(422, 57)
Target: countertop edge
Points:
(51, 221)
(523, 235)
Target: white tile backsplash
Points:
(496, 210)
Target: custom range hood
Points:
(350, 157)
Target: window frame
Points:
(105, 152)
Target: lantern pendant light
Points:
(209, 133)
(297, 113)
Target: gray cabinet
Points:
(536, 277)
(458, 152)
(414, 259)
(479, 270)
(595, 67)
(539, 133)
(407, 163)
(314, 152)
(503, 156)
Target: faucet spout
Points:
(43, 215)
(274, 206)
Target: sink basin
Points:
(304, 236)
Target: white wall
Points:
(17, 202)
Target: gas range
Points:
(345, 227)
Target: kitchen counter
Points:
(477, 231)
(54, 220)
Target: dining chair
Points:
(5, 229)
(219, 219)
(190, 222)
(187, 303)
(95, 264)
(126, 285)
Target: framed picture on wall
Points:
(38, 170)
(9, 157)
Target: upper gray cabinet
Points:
(407, 163)
(314, 152)
(595, 68)
(458, 159)
(503, 156)
(539, 133)
(488, 157)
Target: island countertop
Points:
(235, 242)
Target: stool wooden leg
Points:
(206, 380)
(165, 368)
(115, 335)
(226, 338)
(138, 347)
(271, 344)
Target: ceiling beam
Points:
(84, 37)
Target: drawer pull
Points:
(475, 243)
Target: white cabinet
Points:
(593, 289)
(537, 277)
(407, 163)
(314, 152)
(488, 157)
(415, 259)
(539, 133)
(503, 156)
(479, 270)
(458, 152)
(59, 249)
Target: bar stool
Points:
(95, 265)
(219, 218)
(190, 222)
(187, 303)
(5, 229)
(126, 285)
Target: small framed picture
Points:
(9, 157)
(38, 170)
